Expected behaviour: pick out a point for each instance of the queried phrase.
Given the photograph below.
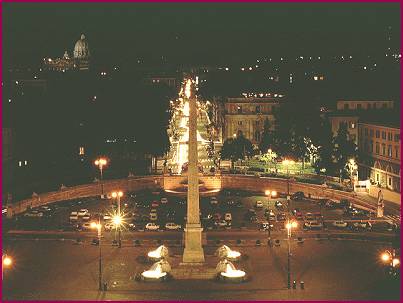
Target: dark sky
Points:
(206, 31)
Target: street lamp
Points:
(98, 226)
(117, 220)
(390, 258)
(6, 262)
(101, 162)
(290, 225)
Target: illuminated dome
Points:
(81, 49)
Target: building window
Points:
(390, 181)
(397, 152)
(346, 106)
(383, 149)
(397, 137)
(389, 150)
(384, 135)
(384, 105)
(258, 109)
(377, 148)
(371, 146)
(369, 105)
(371, 132)
(257, 123)
(239, 122)
(352, 125)
(390, 137)
(81, 151)
(239, 109)
(377, 134)
(358, 106)
(366, 131)
(342, 124)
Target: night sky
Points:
(194, 32)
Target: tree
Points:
(324, 162)
(267, 140)
(236, 148)
(344, 149)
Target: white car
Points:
(362, 225)
(228, 217)
(259, 204)
(152, 226)
(107, 218)
(87, 217)
(34, 213)
(164, 200)
(172, 226)
(313, 225)
(340, 224)
(82, 212)
(213, 201)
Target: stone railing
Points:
(86, 190)
(248, 183)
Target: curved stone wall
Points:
(249, 183)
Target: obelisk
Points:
(193, 253)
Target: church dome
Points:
(81, 50)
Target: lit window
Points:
(19, 163)
(81, 152)
(25, 162)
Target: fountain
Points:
(157, 272)
(227, 272)
(224, 252)
(160, 253)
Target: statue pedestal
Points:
(193, 253)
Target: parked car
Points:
(340, 224)
(313, 225)
(228, 217)
(86, 226)
(259, 204)
(34, 214)
(217, 217)
(152, 226)
(82, 212)
(153, 216)
(309, 217)
(155, 204)
(362, 225)
(172, 226)
(281, 217)
(164, 200)
(107, 217)
(213, 201)
(73, 216)
(278, 204)
(87, 217)
(331, 204)
(265, 225)
(222, 223)
(299, 195)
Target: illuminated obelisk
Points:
(193, 252)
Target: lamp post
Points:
(389, 257)
(101, 162)
(6, 262)
(290, 225)
(118, 219)
(98, 226)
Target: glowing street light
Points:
(117, 219)
(352, 166)
(7, 262)
(101, 162)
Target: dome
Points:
(81, 50)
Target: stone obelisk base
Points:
(193, 253)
